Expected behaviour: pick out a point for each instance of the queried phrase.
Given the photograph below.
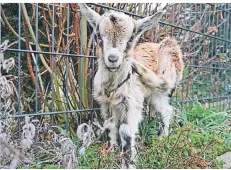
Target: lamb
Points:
(121, 83)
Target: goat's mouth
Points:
(113, 69)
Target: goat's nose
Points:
(113, 58)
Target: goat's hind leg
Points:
(161, 103)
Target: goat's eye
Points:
(99, 39)
(129, 45)
(100, 42)
(98, 36)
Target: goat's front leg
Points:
(128, 146)
(127, 132)
(109, 123)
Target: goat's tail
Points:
(148, 77)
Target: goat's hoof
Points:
(163, 134)
(113, 147)
(130, 166)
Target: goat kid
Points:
(117, 87)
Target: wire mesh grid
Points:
(55, 53)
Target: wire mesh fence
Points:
(55, 53)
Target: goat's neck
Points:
(111, 80)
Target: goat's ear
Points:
(92, 17)
(147, 23)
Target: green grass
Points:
(203, 136)
(184, 148)
(198, 136)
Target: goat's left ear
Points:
(147, 23)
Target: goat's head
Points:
(117, 33)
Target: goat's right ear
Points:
(92, 17)
(147, 23)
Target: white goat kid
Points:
(117, 87)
